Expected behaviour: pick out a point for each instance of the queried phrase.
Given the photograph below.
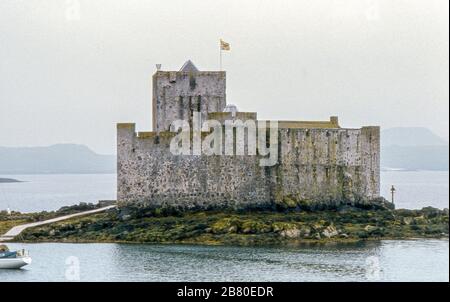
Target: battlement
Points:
(126, 126)
(172, 75)
(152, 134)
(332, 123)
(224, 116)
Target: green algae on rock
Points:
(246, 227)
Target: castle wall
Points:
(329, 165)
(314, 165)
(149, 174)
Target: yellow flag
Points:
(224, 45)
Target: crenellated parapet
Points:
(332, 123)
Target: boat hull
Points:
(14, 263)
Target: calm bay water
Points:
(417, 189)
(411, 260)
(390, 260)
(47, 192)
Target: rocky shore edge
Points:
(256, 227)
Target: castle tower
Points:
(177, 94)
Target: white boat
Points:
(13, 260)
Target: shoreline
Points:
(305, 243)
(249, 228)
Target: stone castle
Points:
(318, 162)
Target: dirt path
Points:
(15, 231)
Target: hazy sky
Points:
(70, 70)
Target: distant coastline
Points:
(55, 159)
(9, 180)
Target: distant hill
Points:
(413, 149)
(415, 157)
(410, 136)
(62, 158)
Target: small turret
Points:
(188, 66)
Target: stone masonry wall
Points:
(329, 165)
(314, 165)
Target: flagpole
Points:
(220, 56)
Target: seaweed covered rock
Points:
(246, 227)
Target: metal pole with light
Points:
(392, 193)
